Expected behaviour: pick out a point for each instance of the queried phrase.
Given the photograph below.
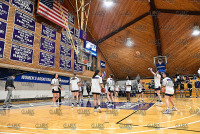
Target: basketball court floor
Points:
(41, 117)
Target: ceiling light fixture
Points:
(129, 42)
(108, 3)
(196, 30)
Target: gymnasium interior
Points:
(41, 38)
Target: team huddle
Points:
(97, 88)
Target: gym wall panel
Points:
(34, 66)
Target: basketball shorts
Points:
(53, 91)
(156, 89)
(109, 89)
(170, 95)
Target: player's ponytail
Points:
(95, 73)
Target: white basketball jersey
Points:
(128, 85)
(139, 86)
(157, 78)
(96, 87)
(55, 82)
(169, 85)
(111, 84)
(74, 82)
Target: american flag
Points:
(50, 9)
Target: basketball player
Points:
(88, 89)
(197, 86)
(54, 87)
(9, 86)
(157, 78)
(81, 92)
(168, 87)
(139, 93)
(106, 87)
(181, 89)
(116, 89)
(74, 86)
(128, 88)
(97, 84)
(59, 89)
(143, 90)
(111, 87)
(190, 88)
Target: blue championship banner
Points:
(47, 45)
(102, 64)
(65, 39)
(4, 10)
(3, 28)
(24, 5)
(65, 51)
(40, 78)
(46, 59)
(65, 64)
(78, 68)
(23, 37)
(77, 42)
(48, 31)
(71, 18)
(24, 21)
(2, 46)
(23, 54)
(76, 33)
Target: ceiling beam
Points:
(122, 28)
(180, 12)
(154, 13)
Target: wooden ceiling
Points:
(182, 49)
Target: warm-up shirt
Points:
(9, 82)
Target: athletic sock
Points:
(95, 107)
(160, 100)
(112, 102)
(99, 106)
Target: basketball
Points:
(163, 90)
(137, 53)
(85, 61)
(103, 90)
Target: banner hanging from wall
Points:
(103, 64)
(39, 78)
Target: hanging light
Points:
(108, 3)
(129, 42)
(196, 30)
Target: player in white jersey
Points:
(157, 78)
(81, 91)
(75, 88)
(111, 87)
(139, 93)
(168, 87)
(54, 87)
(97, 84)
(116, 89)
(128, 88)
